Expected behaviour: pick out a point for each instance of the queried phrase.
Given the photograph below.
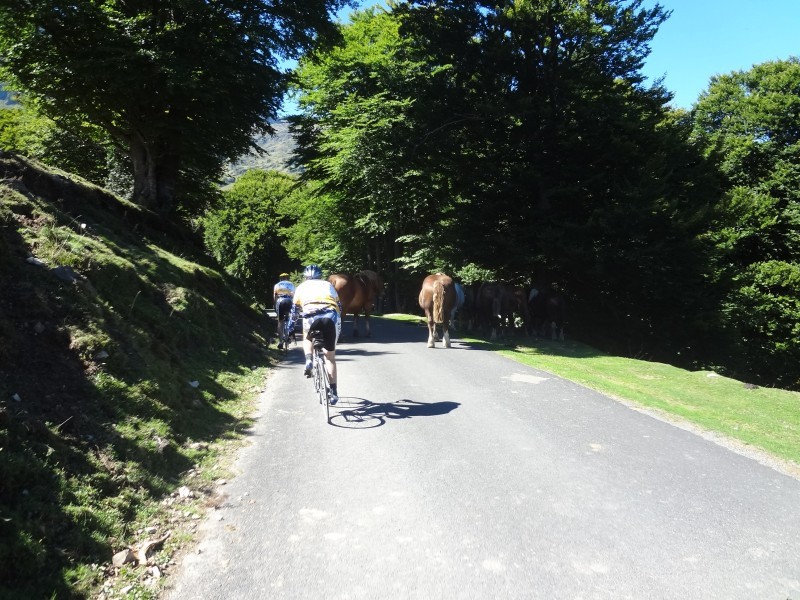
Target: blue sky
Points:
(704, 38)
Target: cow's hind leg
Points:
(446, 334)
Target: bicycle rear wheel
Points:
(285, 336)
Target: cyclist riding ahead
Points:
(282, 295)
(318, 301)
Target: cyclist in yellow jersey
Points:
(317, 302)
(282, 295)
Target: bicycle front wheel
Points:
(325, 392)
(317, 374)
(324, 386)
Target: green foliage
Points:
(472, 273)
(82, 151)
(310, 230)
(765, 308)
(355, 100)
(180, 89)
(747, 122)
(244, 232)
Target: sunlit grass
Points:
(765, 418)
(405, 317)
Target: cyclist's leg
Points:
(330, 364)
(329, 335)
(282, 309)
(309, 324)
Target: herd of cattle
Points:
(492, 308)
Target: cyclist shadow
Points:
(349, 353)
(360, 413)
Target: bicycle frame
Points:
(322, 383)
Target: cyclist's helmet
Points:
(312, 272)
(284, 276)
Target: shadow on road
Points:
(342, 353)
(392, 331)
(360, 413)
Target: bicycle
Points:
(286, 336)
(319, 373)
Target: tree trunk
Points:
(380, 301)
(396, 273)
(155, 174)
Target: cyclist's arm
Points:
(335, 296)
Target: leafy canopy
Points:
(180, 86)
(749, 123)
(243, 232)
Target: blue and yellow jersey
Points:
(316, 294)
(283, 289)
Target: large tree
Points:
(519, 137)
(749, 122)
(180, 86)
(355, 100)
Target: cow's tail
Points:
(438, 302)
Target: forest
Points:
(513, 141)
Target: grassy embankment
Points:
(767, 419)
(128, 369)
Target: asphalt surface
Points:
(457, 473)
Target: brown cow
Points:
(495, 304)
(357, 293)
(438, 298)
(548, 311)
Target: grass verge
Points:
(128, 367)
(764, 418)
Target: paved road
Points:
(460, 474)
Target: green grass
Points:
(764, 418)
(108, 426)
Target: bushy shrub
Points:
(242, 233)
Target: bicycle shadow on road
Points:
(343, 353)
(360, 413)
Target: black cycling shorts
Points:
(327, 327)
(284, 307)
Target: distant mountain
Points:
(278, 150)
